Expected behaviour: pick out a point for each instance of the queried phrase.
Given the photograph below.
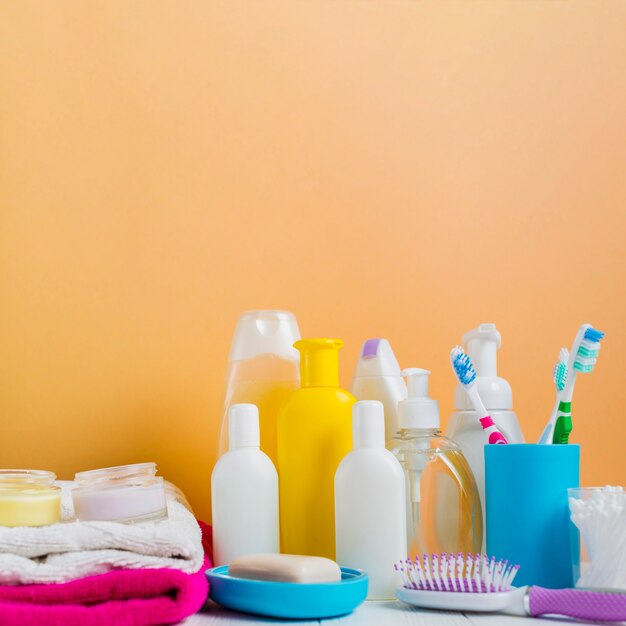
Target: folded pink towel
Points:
(122, 597)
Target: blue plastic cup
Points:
(527, 510)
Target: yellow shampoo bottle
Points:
(314, 434)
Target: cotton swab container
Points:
(599, 518)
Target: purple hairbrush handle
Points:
(591, 605)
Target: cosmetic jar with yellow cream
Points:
(127, 494)
(29, 498)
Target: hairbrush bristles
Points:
(462, 366)
(457, 572)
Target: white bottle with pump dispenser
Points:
(244, 492)
(378, 377)
(443, 505)
(481, 345)
(370, 514)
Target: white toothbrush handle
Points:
(491, 430)
(548, 431)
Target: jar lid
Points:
(42, 478)
(137, 473)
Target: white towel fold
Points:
(69, 550)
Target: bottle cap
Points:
(482, 344)
(377, 359)
(418, 410)
(265, 332)
(243, 426)
(319, 362)
(368, 424)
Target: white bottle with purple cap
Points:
(378, 377)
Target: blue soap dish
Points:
(288, 600)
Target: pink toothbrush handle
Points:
(591, 605)
(490, 428)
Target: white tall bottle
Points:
(370, 504)
(464, 428)
(378, 377)
(244, 492)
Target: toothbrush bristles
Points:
(462, 366)
(588, 350)
(462, 573)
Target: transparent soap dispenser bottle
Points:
(434, 467)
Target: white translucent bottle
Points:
(244, 492)
(370, 514)
(378, 377)
(263, 369)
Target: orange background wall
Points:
(404, 169)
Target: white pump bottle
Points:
(370, 509)
(244, 492)
(464, 428)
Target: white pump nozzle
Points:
(482, 344)
(418, 410)
(417, 381)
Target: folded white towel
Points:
(71, 549)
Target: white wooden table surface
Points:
(377, 614)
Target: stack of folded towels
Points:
(97, 573)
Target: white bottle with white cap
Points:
(482, 344)
(370, 513)
(378, 377)
(443, 506)
(244, 492)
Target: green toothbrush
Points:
(582, 358)
(559, 375)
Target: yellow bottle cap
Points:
(319, 362)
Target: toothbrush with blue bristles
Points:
(466, 375)
(559, 375)
(582, 358)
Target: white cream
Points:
(127, 494)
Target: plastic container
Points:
(244, 492)
(314, 434)
(378, 377)
(482, 344)
(126, 494)
(443, 504)
(288, 600)
(370, 506)
(598, 516)
(527, 510)
(263, 369)
(29, 498)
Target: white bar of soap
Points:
(287, 568)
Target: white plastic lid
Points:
(368, 424)
(265, 332)
(482, 344)
(377, 359)
(418, 410)
(243, 426)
